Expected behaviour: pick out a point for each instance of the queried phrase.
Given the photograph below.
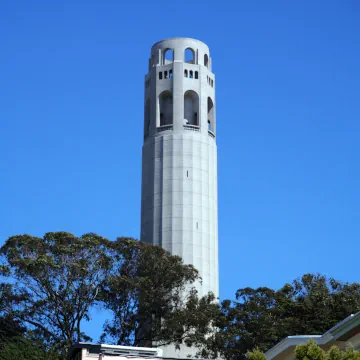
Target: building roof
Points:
(119, 352)
(341, 331)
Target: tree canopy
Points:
(260, 318)
(312, 351)
(152, 300)
(53, 282)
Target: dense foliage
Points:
(150, 298)
(50, 285)
(260, 318)
(53, 282)
(312, 351)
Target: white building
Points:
(179, 207)
(89, 351)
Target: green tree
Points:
(56, 279)
(152, 299)
(14, 341)
(21, 348)
(262, 317)
(312, 351)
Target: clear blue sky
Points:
(288, 115)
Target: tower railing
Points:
(164, 128)
(191, 127)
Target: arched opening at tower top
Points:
(166, 108)
(210, 115)
(189, 56)
(191, 108)
(168, 56)
(206, 60)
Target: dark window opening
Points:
(191, 108)
(166, 108)
(165, 74)
(211, 115)
(170, 74)
(196, 75)
(191, 74)
(160, 75)
(206, 60)
(187, 173)
(185, 73)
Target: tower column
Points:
(179, 208)
(178, 96)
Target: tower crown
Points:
(179, 89)
(187, 50)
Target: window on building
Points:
(166, 108)
(206, 60)
(191, 108)
(210, 115)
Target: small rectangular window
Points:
(160, 75)
(212, 83)
(191, 74)
(165, 75)
(185, 73)
(196, 75)
(170, 74)
(187, 173)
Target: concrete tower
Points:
(179, 208)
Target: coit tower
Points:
(179, 205)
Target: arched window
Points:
(206, 60)
(166, 108)
(191, 108)
(189, 56)
(191, 74)
(168, 56)
(185, 73)
(210, 115)
(147, 118)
